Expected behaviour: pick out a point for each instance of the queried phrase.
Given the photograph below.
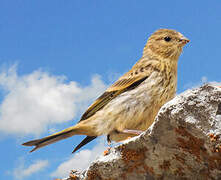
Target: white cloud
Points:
(21, 171)
(191, 85)
(80, 161)
(36, 100)
(204, 79)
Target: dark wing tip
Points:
(85, 141)
(75, 149)
(34, 149)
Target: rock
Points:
(183, 143)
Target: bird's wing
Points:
(125, 83)
(128, 81)
(85, 141)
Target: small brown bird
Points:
(129, 106)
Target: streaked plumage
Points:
(131, 103)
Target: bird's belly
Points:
(134, 109)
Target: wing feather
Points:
(122, 85)
(128, 81)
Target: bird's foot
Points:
(132, 131)
(107, 151)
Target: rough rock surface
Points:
(184, 142)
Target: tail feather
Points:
(39, 143)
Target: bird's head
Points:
(165, 44)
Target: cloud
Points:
(34, 101)
(80, 160)
(21, 171)
(191, 85)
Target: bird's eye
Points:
(167, 38)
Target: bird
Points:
(129, 106)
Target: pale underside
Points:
(134, 109)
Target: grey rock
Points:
(183, 143)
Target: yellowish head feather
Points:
(165, 44)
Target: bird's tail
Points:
(66, 133)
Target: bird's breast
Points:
(136, 108)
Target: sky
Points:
(56, 57)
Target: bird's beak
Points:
(184, 40)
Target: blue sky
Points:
(56, 57)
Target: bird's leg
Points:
(108, 140)
(107, 151)
(132, 131)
